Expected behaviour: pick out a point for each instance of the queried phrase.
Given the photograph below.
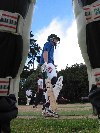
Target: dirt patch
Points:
(60, 107)
(64, 107)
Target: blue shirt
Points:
(48, 46)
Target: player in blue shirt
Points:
(48, 49)
(47, 57)
(47, 65)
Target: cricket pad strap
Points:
(11, 22)
(4, 86)
(8, 109)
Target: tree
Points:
(34, 53)
(75, 82)
(31, 81)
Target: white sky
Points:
(68, 51)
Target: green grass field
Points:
(55, 126)
(38, 124)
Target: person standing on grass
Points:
(39, 94)
(28, 96)
(48, 67)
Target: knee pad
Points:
(53, 80)
(94, 97)
(8, 109)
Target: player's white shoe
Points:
(49, 113)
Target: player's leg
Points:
(52, 88)
(11, 64)
(56, 82)
(94, 94)
(37, 99)
(89, 41)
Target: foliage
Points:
(31, 81)
(75, 82)
(34, 53)
(25, 78)
(28, 82)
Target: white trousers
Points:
(51, 71)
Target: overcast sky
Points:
(56, 16)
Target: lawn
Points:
(55, 126)
(73, 119)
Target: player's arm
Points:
(46, 50)
(45, 56)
